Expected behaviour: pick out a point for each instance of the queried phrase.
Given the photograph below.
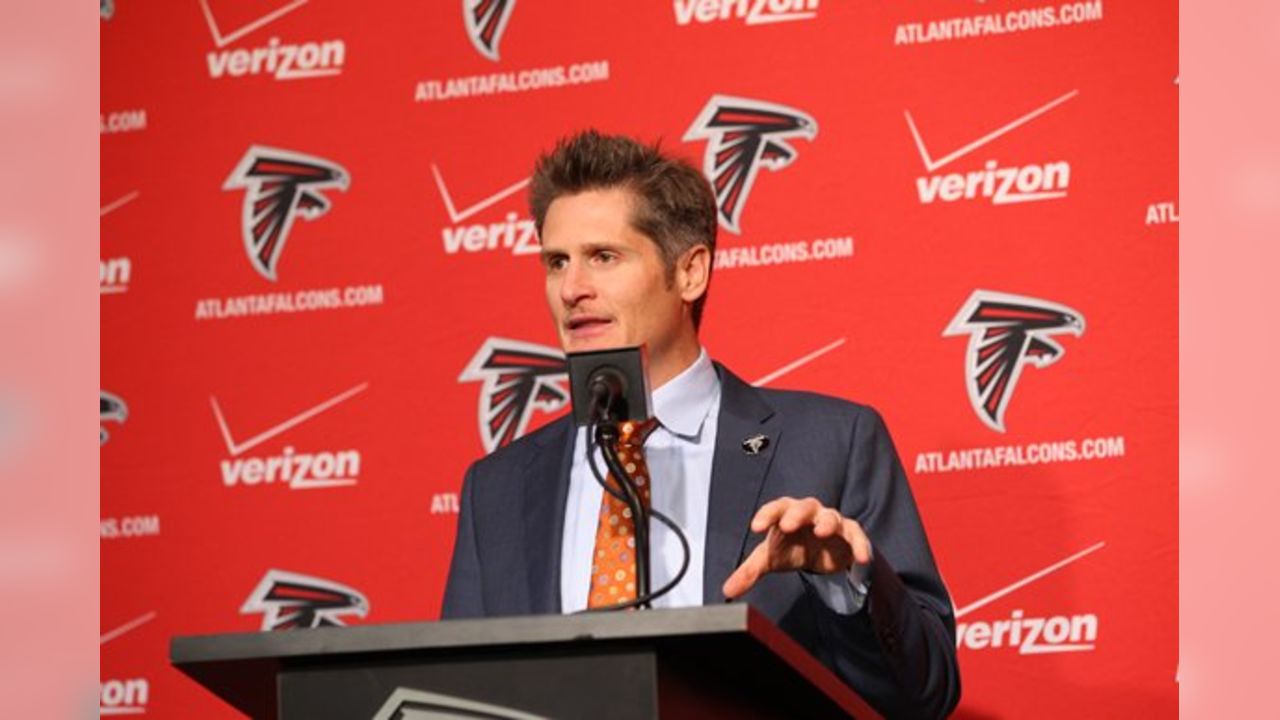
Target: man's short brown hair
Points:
(674, 204)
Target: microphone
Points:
(609, 386)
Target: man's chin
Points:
(603, 341)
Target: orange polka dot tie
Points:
(613, 563)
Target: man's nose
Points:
(576, 284)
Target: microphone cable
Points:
(611, 460)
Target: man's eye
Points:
(606, 256)
(555, 263)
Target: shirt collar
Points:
(682, 404)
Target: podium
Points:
(725, 661)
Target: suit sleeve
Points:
(900, 651)
(463, 597)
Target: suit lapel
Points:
(546, 490)
(736, 478)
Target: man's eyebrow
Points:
(598, 246)
(586, 248)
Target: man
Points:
(794, 502)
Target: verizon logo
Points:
(276, 59)
(124, 697)
(281, 61)
(289, 468)
(1030, 635)
(750, 12)
(113, 275)
(1001, 185)
(300, 471)
(512, 233)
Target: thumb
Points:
(745, 576)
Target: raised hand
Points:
(802, 534)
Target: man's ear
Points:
(693, 272)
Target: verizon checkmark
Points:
(223, 40)
(931, 165)
(798, 363)
(133, 624)
(1037, 575)
(236, 448)
(118, 203)
(458, 216)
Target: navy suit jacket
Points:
(898, 652)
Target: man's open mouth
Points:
(586, 322)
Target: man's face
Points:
(607, 286)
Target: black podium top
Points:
(242, 667)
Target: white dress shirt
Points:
(679, 452)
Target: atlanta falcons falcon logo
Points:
(486, 21)
(518, 377)
(289, 601)
(111, 408)
(1007, 332)
(742, 136)
(280, 185)
(413, 704)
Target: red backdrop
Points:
(303, 406)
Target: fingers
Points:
(832, 543)
(799, 514)
(769, 514)
(858, 540)
(745, 576)
(828, 523)
(787, 514)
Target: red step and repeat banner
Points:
(316, 257)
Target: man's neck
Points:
(674, 362)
